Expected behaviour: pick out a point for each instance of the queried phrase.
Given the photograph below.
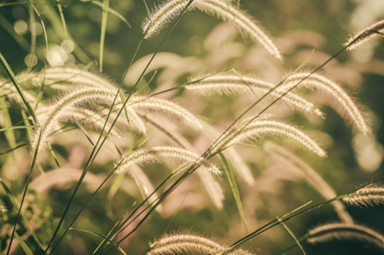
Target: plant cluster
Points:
(82, 130)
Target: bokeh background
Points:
(198, 45)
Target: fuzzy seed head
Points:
(260, 128)
(234, 84)
(167, 154)
(369, 195)
(338, 98)
(328, 232)
(367, 34)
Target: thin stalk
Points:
(24, 194)
(94, 151)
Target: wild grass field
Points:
(191, 127)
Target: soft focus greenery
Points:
(328, 25)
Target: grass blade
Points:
(98, 235)
(57, 25)
(23, 245)
(122, 98)
(19, 89)
(15, 203)
(292, 234)
(112, 11)
(53, 154)
(235, 190)
(8, 123)
(104, 21)
(15, 148)
(82, 129)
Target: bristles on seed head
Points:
(225, 10)
(229, 12)
(368, 195)
(161, 105)
(367, 34)
(235, 84)
(248, 130)
(189, 243)
(328, 232)
(338, 98)
(162, 15)
(57, 109)
(167, 154)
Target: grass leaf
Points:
(53, 154)
(235, 190)
(104, 21)
(15, 203)
(8, 123)
(19, 89)
(98, 235)
(112, 11)
(23, 245)
(82, 129)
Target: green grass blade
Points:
(57, 25)
(112, 191)
(23, 245)
(17, 127)
(62, 19)
(112, 11)
(10, 135)
(24, 44)
(122, 98)
(97, 147)
(27, 124)
(32, 22)
(15, 203)
(100, 236)
(53, 154)
(42, 25)
(116, 147)
(104, 21)
(174, 215)
(15, 148)
(19, 89)
(305, 62)
(82, 129)
(235, 190)
(292, 234)
(29, 177)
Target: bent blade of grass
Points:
(19, 89)
(24, 44)
(104, 21)
(42, 24)
(235, 190)
(15, 148)
(100, 236)
(112, 11)
(304, 62)
(53, 154)
(292, 234)
(122, 98)
(23, 245)
(82, 129)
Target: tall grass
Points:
(115, 164)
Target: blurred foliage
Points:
(329, 21)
